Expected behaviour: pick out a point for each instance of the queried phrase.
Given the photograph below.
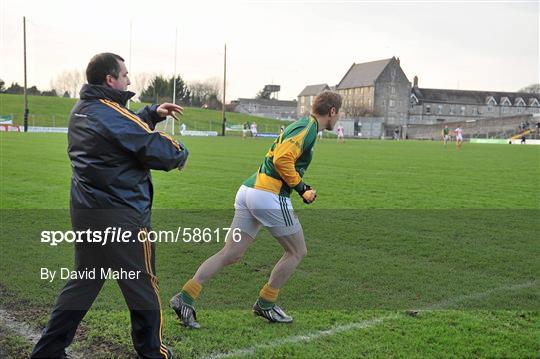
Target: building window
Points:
(393, 89)
(392, 103)
(439, 109)
(302, 100)
(504, 109)
(490, 108)
(451, 109)
(428, 109)
(463, 110)
(301, 109)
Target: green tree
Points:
(15, 88)
(160, 90)
(49, 93)
(33, 91)
(264, 94)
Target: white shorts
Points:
(446, 137)
(255, 208)
(459, 138)
(254, 133)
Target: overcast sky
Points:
(451, 44)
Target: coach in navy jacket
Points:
(112, 151)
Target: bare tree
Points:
(69, 81)
(204, 91)
(358, 111)
(140, 82)
(533, 88)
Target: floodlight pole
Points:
(224, 124)
(25, 83)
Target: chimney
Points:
(415, 81)
(397, 60)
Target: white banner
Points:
(200, 133)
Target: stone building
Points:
(432, 106)
(306, 97)
(278, 109)
(379, 89)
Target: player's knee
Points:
(298, 253)
(302, 253)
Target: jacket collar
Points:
(97, 92)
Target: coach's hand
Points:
(168, 109)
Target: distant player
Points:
(254, 129)
(459, 137)
(445, 135)
(264, 200)
(245, 130)
(319, 135)
(183, 129)
(340, 134)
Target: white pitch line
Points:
(28, 332)
(366, 324)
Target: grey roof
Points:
(314, 90)
(469, 97)
(365, 74)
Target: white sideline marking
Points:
(21, 329)
(26, 331)
(366, 324)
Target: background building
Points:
(278, 109)
(376, 89)
(431, 106)
(306, 97)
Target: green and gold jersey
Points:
(446, 131)
(288, 159)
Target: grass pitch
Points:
(396, 226)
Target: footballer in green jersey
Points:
(263, 200)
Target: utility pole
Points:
(224, 124)
(25, 83)
(174, 76)
(130, 55)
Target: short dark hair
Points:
(102, 65)
(324, 102)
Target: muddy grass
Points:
(21, 324)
